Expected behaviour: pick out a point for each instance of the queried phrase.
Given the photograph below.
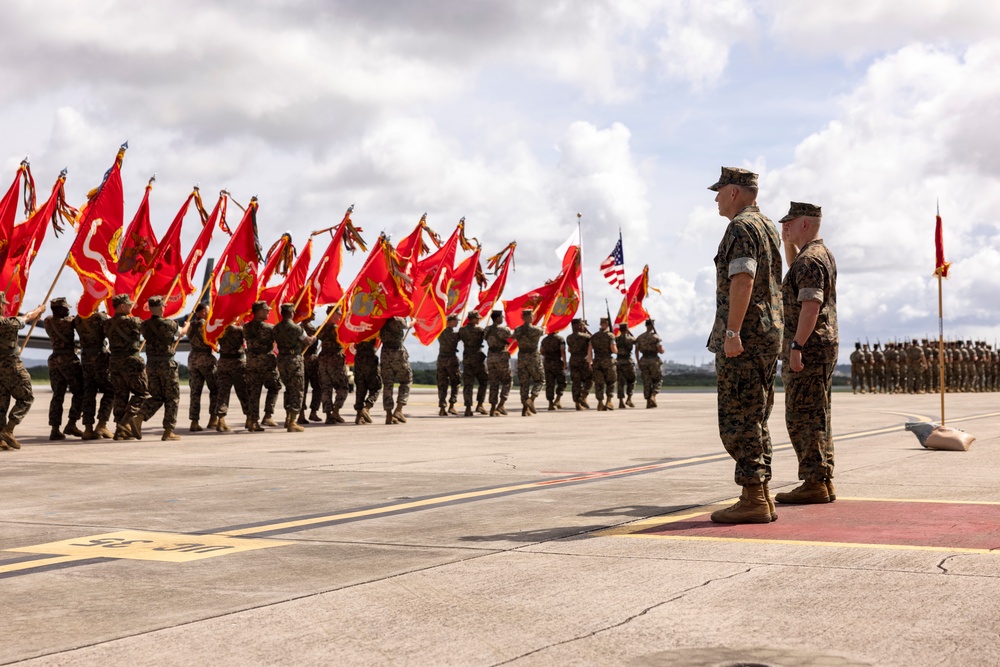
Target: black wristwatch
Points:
(795, 345)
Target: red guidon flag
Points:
(411, 247)
(564, 300)
(8, 207)
(500, 264)
(940, 266)
(26, 239)
(430, 291)
(138, 249)
(94, 255)
(631, 312)
(378, 292)
(234, 282)
(460, 286)
(291, 287)
(323, 286)
(186, 283)
(167, 265)
(278, 260)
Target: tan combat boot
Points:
(267, 421)
(653, 399)
(213, 422)
(621, 404)
(4, 446)
(558, 402)
(750, 508)
(330, 419)
(360, 419)
(579, 408)
(584, 403)
(807, 493)
(314, 416)
(610, 405)
(222, 426)
(552, 406)
(102, 430)
(525, 412)
(531, 406)
(500, 409)
(135, 425)
(830, 490)
(291, 424)
(398, 415)
(56, 434)
(337, 417)
(88, 433)
(601, 407)
(628, 401)
(169, 435)
(770, 502)
(451, 408)
(442, 411)
(302, 417)
(7, 435)
(649, 404)
(493, 409)
(73, 429)
(468, 410)
(195, 426)
(481, 409)
(255, 427)
(366, 415)
(388, 418)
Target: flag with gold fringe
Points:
(234, 281)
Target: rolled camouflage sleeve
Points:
(810, 294)
(742, 252)
(811, 281)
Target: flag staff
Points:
(579, 231)
(940, 270)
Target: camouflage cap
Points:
(260, 305)
(576, 320)
(496, 314)
(527, 311)
(121, 300)
(59, 302)
(474, 315)
(454, 318)
(288, 309)
(650, 322)
(155, 301)
(735, 176)
(801, 209)
(623, 326)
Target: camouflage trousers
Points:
(395, 368)
(231, 374)
(583, 378)
(857, 378)
(498, 370)
(605, 377)
(262, 371)
(128, 379)
(203, 370)
(96, 379)
(473, 371)
(626, 377)
(866, 379)
(878, 378)
(746, 396)
(915, 380)
(164, 390)
(530, 376)
(892, 378)
(65, 372)
(807, 417)
(555, 379)
(332, 381)
(312, 386)
(448, 377)
(292, 370)
(651, 369)
(367, 385)
(14, 383)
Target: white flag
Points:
(574, 239)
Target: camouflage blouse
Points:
(527, 337)
(812, 277)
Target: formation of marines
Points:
(103, 356)
(913, 367)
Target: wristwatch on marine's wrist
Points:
(795, 345)
(732, 334)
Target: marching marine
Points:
(311, 359)
(231, 374)
(553, 349)
(580, 365)
(448, 374)
(395, 368)
(262, 367)
(497, 336)
(202, 370)
(529, 365)
(473, 364)
(94, 360)
(125, 367)
(605, 377)
(65, 371)
(161, 337)
(367, 380)
(649, 345)
(625, 367)
(332, 369)
(291, 341)
(14, 379)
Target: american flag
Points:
(613, 267)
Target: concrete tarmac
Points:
(568, 538)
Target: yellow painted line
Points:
(853, 545)
(923, 500)
(143, 545)
(31, 564)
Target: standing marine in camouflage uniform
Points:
(65, 371)
(746, 339)
(553, 349)
(395, 368)
(14, 379)
(94, 359)
(891, 368)
(126, 368)
(809, 352)
(904, 368)
(449, 375)
(231, 374)
(648, 344)
(857, 369)
(291, 341)
(332, 369)
(311, 359)
(867, 369)
(915, 366)
(625, 367)
(203, 369)
(878, 370)
(473, 364)
(581, 370)
(530, 376)
(262, 367)
(161, 337)
(497, 335)
(367, 380)
(605, 376)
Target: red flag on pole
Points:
(632, 312)
(8, 207)
(187, 283)
(378, 293)
(167, 264)
(138, 249)
(940, 266)
(323, 286)
(500, 264)
(411, 247)
(466, 273)
(26, 239)
(94, 255)
(564, 300)
(291, 286)
(234, 282)
(430, 290)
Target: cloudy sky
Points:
(518, 114)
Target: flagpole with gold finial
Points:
(940, 270)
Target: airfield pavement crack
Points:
(682, 594)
